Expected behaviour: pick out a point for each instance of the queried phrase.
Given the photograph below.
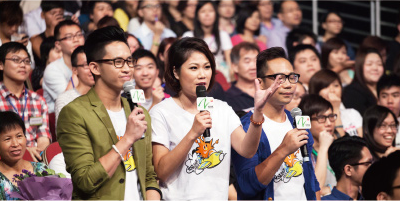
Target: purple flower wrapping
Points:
(44, 188)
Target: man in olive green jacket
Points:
(88, 136)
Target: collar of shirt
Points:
(236, 91)
(341, 196)
(145, 29)
(5, 92)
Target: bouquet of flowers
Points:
(46, 185)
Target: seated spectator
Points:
(145, 74)
(206, 28)
(13, 146)
(388, 89)
(334, 57)
(107, 21)
(162, 54)
(327, 84)
(377, 43)
(297, 96)
(291, 16)
(381, 181)
(81, 70)
(248, 28)
(332, 25)
(300, 36)
(152, 31)
(323, 131)
(380, 128)
(306, 62)
(57, 76)
(188, 10)
(133, 42)
(361, 93)
(97, 9)
(49, 53)
(14, 96)
(52, 13)
(268, 23)
(241, 94)
(349, 158)
(226, 11)
(171, 13)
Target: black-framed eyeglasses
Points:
(384, 127)
(293, 77)
(395, 187)
(18, 60)
(72, 37)
(368, 163)
(118, 62)
(322, 118)
(84, 66)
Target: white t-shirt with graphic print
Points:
(204, 175)
(289, 179)
(132, 186)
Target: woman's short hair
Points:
(9, 121)
(322, 79)
(330, 45)
(179, 53)
(373, 117)
(314, 104)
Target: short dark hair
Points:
(49, 5)
(322, 79)
(141, 53)
(330, 45)
(344, 151)
(298, 35)
(179, 53)
(314, 104)
(62, 24)
(98, 39)
(387, 81)
(107, 21)
(246, 46)
(268, 55)
(74, 55)
(11, 13)
(380, 176)
(45, 47)
(92, 5)
(300, 48)
(10, 120)
(372, 118)
(242, 17)
(280, 5)
(12, 47)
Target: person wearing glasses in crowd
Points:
(276, 170)
(382, 179)
(58, 76)
(15, 65)
(100, 137)
(152, 31)
(380, 128)
(323, 131)
(80, 68)
(349, 158)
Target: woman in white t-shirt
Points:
(206, 27)
(327, 84)
(189, 166)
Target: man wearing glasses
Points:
(349, 158)
(58, 76)
(276, 170)
(15, 65)
(152, 31)
(100, 137)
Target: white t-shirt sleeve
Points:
(226, 43)
(54, 81)
(188, 34)
(357, 118)
(58, 165)
(233, 120)
(160, 131)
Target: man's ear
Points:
(261, 81)
(176, 75)
(347, 170)
(94, 68)
(383, 196)
(42, 15)
(1, 66)
(140, 13)
(323, 25)
(235, 68)
(280, 16)
(75, 70)
(57, 44)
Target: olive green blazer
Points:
(85, 134)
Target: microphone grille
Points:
(296, 112)
(128, 86)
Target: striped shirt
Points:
(28, 106)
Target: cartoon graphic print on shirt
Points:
(292, 168)
(128, 160)
(204, 156)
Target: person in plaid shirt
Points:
(14, 96)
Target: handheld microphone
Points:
(201, 92)
(300, 124)
(128, 86)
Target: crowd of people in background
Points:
(63, 66)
